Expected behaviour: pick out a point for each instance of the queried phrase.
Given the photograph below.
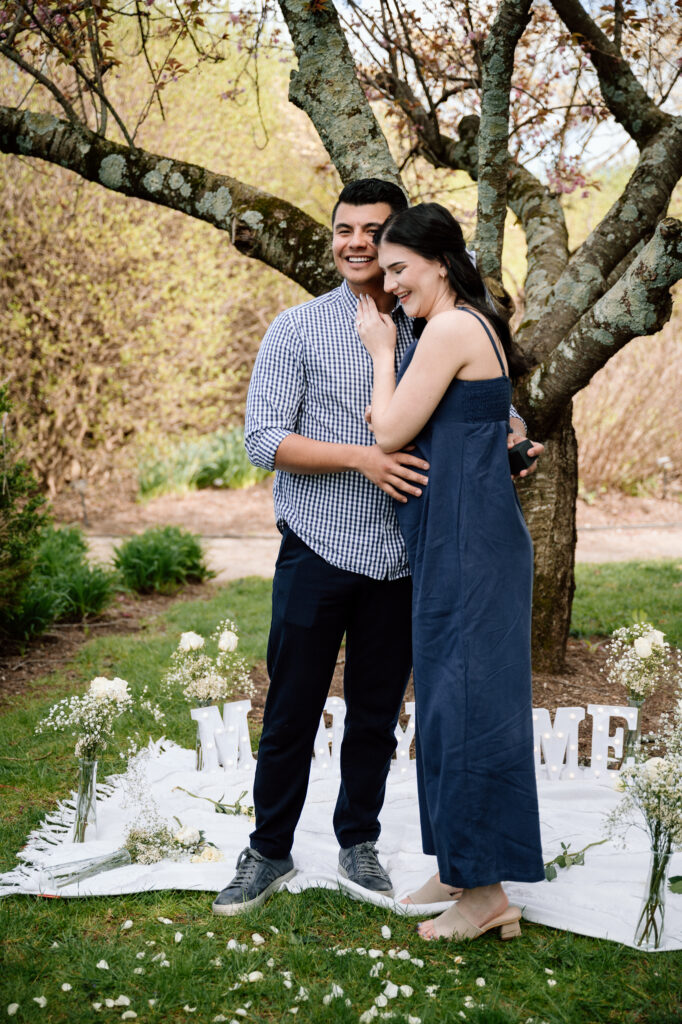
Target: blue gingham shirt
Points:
(313, 376)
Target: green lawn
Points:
(48, 943)
(614, 593)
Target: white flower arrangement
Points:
(156, 841)
(204, 678)
(653, 795)
(639, 658)
(90, 717)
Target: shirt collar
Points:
(350, 301)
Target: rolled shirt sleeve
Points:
(275, 393)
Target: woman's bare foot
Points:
(434, 891)
(475, 909)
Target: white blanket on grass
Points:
(602, 898)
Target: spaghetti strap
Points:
(489, 333)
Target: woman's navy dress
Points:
(471, 560)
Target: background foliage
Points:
(125, 327)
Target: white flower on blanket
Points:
(188, 836)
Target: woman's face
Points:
(420, 285)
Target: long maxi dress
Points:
(471, 559)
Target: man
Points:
(342, 567)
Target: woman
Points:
(471, 560)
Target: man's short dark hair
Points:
(366, 191)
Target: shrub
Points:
(216, 460)
(23, 516)
(162, 559)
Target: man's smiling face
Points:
(355, 254)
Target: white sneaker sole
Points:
(232, 909)
(377, 892)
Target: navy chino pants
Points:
(313, 605)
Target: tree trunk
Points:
(548, 500)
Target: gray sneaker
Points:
(257, 878)
(360, 864)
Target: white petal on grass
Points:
(431, 990)
(381, 1000)
(128, 1015)
(548, 970)
(257, 939)
(178, 936)
(164, 920)
(414, 1020)
(165, 963)
(376, 969)
(219, 1018)
(66, 987)
(41, 1001)
(551, 982)
(458, 960)
(141, 955)
(480, 982)
(241, 1012)
(385, 931)
(391, 990)
(122, 1001)
(255, 976)
(96, 1006)
(303, 995)
(369, 1015)
(404, 954)
(151, 1002)
(150, 942)
(287, 983)
(293, 1009)
(109, 1003)
(416, 961)
(189, 1009)
(209, 935)
(275, 931)
(406, 990)
(12, 1009)
(103, 965)
(126, 925)
(375, 953)
(270, 962)
(361, 951)
(55, 945)
(138, 970)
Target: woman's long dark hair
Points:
(431, 230)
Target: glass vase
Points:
(56, 876)
(649, 930)
(85, 826)
(633, 736)
(199, 747)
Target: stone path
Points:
(236, 556)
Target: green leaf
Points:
(550, 872)
(676, 884)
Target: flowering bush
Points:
(638, 658)
(90, 717)
(205, 678)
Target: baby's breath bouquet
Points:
(90, 719)
(157, 841)
(205, 678)
(638, 659)
(653, 793)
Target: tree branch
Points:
(631, 218)
(627, 100)
(493, 135)
(260, 225)
(638, 304)
(326, 87)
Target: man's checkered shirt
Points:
(313, 376)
